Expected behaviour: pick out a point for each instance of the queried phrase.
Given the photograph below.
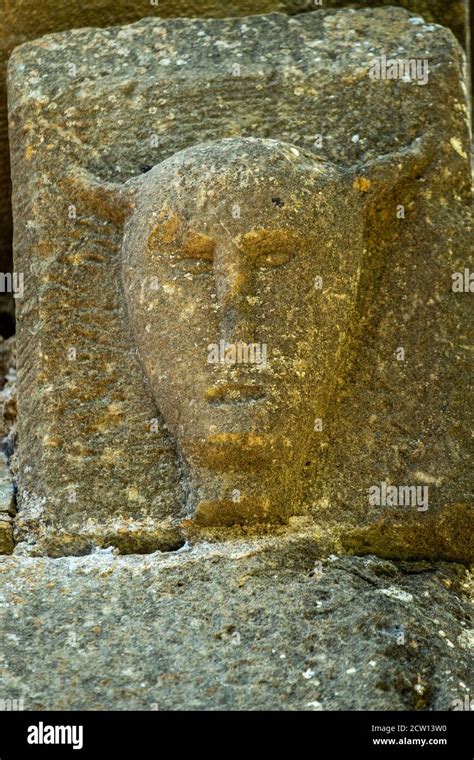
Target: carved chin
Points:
(248, 509)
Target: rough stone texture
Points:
(451, 13)
(7, 388)
(241, 625)
(138, 95)
(21, 21)
(7, 443)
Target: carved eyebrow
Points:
(187, 245)
(270, 247)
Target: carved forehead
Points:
(229, 187)
(242, 168)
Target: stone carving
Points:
(240, 263)
(131, 425)
(242, 251)
(225, 250)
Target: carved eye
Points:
(196, 250)
(192, 251)
(270, 248)
(196, 245)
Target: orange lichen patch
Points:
(82, 257)
(362, 184)
(184, 524)
(110, 417)
(6, 538)
(167, 228)
(236, 393)
(270, 247)
(43, 249)
(196, 245)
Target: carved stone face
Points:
(240, 267)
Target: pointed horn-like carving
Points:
(106, 199)
(386, 172)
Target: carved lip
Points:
(231, 451)
(233, 393)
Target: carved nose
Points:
(234, 288)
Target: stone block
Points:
(104, 128)
(247, 625)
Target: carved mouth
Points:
(235, 394)
(231, 451)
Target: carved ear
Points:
(384, 174)
(105, 199)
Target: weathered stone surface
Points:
(243, 625)
(6, 488)
(93, 470)
(451, 13)
(7, 438)
(7, 388)
(20, 22)
(7, 543)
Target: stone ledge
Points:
(246, 625)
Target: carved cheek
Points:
(172, 318)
